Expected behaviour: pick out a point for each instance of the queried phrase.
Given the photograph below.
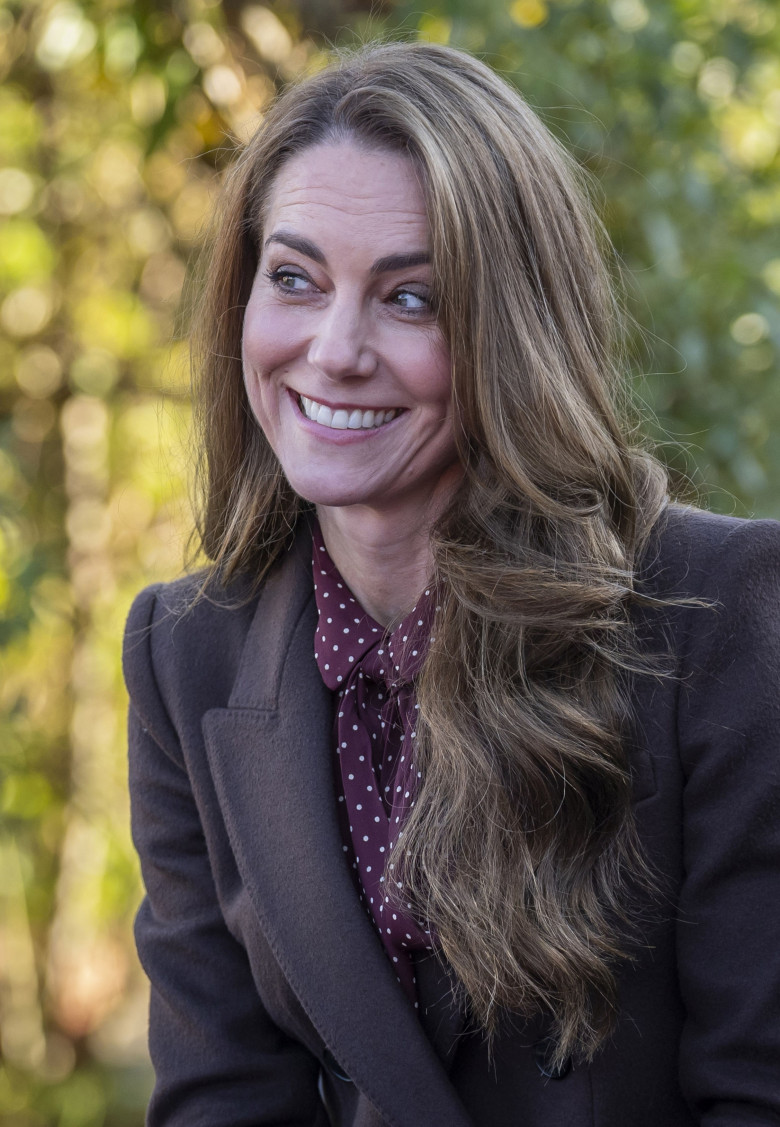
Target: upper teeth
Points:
(342, 419)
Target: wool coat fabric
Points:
(273, 1001)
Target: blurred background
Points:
(116, 120)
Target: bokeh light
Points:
(116, 122)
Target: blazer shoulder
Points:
(693, 552)
(182, 644)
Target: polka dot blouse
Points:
(372, 673)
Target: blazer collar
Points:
(270, 757)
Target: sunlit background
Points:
(115, 122)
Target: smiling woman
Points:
(346, 366)
(454, 777)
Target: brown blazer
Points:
(272, 999)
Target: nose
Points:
(340, 346)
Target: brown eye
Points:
(290, 281)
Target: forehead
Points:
(343, 188)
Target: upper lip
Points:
(339, 406)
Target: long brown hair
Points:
(521, 847)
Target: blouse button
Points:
(544, 1053)
(334, 1068)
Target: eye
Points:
(411, 301)
(287, 280)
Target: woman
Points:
(454, 777)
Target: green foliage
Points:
(675, 110)
(115, 121)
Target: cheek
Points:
(266, 346)
(265, 339)
(430, 372)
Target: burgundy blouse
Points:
(372, 673)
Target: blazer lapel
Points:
(442, 1013)
(270, 757)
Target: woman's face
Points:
(345, 366)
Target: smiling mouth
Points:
(343, 419)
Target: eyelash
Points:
(275, 278)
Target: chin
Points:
(327, 493)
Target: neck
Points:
(384, 555)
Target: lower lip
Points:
(340, 437)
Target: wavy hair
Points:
(521, 848)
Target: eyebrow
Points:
(383, 265)
(400, 262)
